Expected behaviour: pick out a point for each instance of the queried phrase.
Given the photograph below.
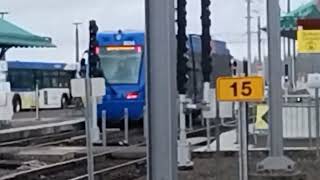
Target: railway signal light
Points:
(94, 59)
(182, 68)
(233, 66)
(83, 68)
(206, 40)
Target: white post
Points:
(145, 122)
(37, 101)
(317, 119)
(206, 90)
(126, 126)
(104, 129)
(6, 109)
(208, 134)
(90, 159)
(243, 163)
(190, 120)
(202, 119)
(184, 157)
(95, 128)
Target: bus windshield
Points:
(121, 65)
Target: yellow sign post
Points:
(309, 41)
(249, 88)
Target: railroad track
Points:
(69, 138)
(76, 168)
(120, 170)
(46, 140)
(202, 132)
(105, 165)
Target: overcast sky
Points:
(54, 18)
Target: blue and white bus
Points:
(53, 81)
(121, 55)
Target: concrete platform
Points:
(46, 154)
(57, 154)
(133, 153)
(41, 128)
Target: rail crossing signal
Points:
(182, 68)
(206, 40)
(93, 47)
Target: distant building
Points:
(220, 64)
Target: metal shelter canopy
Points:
(289, 21)
(14, 36)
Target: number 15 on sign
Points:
(249, 88)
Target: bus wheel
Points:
(64, 101)
(16, 104)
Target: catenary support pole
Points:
(161, 90)
(259, 39)
(249, 35)
(276, 160)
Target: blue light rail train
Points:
(122, 62)
(121, 55)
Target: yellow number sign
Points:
(309, 41)
(249, 88)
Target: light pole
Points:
(249, 34)
(289, 40)
(259, 39)
(77, 40)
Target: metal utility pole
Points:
(90, 158)
(242, 131)
(276, 160)
(77, 40)
(289, 40)
(3, 13)
(249, 34)
(291, 56)
(161, 89)
(259, 39)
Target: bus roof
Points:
(117, 38)
(40, 65)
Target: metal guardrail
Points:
(299, 119)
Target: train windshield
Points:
(121, 65)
